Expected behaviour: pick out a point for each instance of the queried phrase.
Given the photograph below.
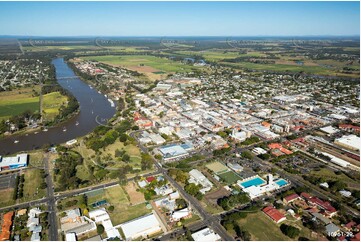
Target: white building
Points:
(183, 213)
(70, 237)
(141, 227)
(197, 177)
(14, 162)
(351, 142)
(206, 235)
(101, 216)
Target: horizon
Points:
(179, 19)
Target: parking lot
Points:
(7, 181)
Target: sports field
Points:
(217, 167)
(230, 177)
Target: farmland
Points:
(17, 101)
(151, 66)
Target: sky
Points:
(179, 18)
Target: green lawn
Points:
(32, 183)
(18, 101)
(6, 198)
(135, 62)
(51, 104)
(230, 177)
(262, 228)
(116, 196)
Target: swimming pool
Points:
(253, 182)
(281, 182)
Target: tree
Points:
(123, 137)
(100, 229)
(125, 157)
(181, 203)
(111, 208)
(290, 231)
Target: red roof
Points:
(291, 197)
(356, 237)
(5, 228)
(150, 178)
(287, 152)
(349, 126)
(325, 205)
(350, 224)
(305, 195)
(273, 213)
(274, 146)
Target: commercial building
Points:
(142, 227)
(351, 142)
(170, 152)
(206, 235)
(14, 162)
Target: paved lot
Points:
(7, 181)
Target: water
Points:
(95, 109)
(281, 182)
(253, 182)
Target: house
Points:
(274, 214)
(197, 177)
(183, 213)
(291, 198)
(101, 216)
(331, 229)
(35, 237)
(206, 235)
(6, 225)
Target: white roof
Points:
(350, 140)
(70, 237)
(139, 225)
(329, 130)
(177, 215)
(99, 214)
(20, 159)
(205, 235)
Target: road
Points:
(52, 219)
(212, 222)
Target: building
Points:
(238, 136)
(197, 178)
(70, 237)
(15, 162)
(332, 229)
(274, 214)
(6, 226)
(170, 152)
(142, 227)
(101, 216)
(236, 167)
(206, 235)
(73, 222)
(183, 213)
(291, 198)
(351, 142)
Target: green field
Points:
(149, 65)
(262, 228)
(32, 183)
(51, 104)
(123, 212)
(7, 197)
(229, 177)
(18, 101)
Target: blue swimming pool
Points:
(281, 182)
(253, 182)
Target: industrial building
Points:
(351, 142)
(142, 227)
(206, 235)
(14, 162)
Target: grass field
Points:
(329, 174)
(229, 177)
(217, 167)
(6, 198)
(32, 183)
(135, 197)
(262, 228)
(18, 101)
(51, 104)
(132, 150)
(36, 158)
(149, 65)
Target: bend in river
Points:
(94, 110)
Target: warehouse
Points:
(351, 142)
(142, 227)
(14, 162)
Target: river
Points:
(95, 109)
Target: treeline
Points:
(19, 187)
(233, 201)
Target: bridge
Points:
(67, 77)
